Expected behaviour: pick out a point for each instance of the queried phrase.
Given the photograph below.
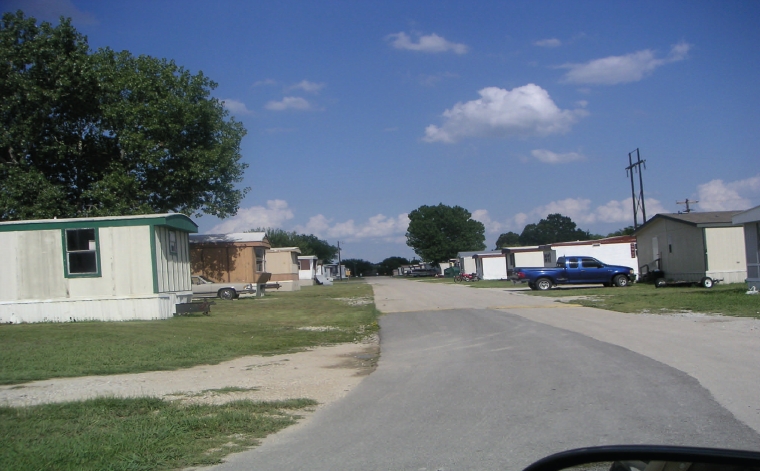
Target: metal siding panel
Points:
(39, 267)
(726, 248)
(9, 277)
(131, 261)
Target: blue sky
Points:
(360, 112)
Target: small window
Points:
(81, 252)
(547, 257)
(260, 265)
(172, 242)
(572, 264)
(305, 264)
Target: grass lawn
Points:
(135, 434)
(251, 326)
(727, 300)
(150, 433)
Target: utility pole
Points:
(638, 202)
(340, 272)
(687, 203)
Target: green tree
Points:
(628, 230)
(555, 228)
(107, 133)
(308, 243)
(508, 239)
(438, 233)
(359, 267)
(388, 266)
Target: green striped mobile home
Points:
(106, 268)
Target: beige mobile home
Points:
(693, 247)
(104, 268)
(282, 263)
(750, 219)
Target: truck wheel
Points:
(706, 282)
(621, 281)
(227, 293)
(543, 284)
(660, 283)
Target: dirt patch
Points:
(324, 374)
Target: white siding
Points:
(529, 259)
(493, 268)
(157, 306)
(172, 269)
(611, 254)
(125, 265)
(726, 257)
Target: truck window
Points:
(572, 264)
(590, 263)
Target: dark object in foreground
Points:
(649, 458)
(189, 308)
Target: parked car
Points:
(574, 270)
(205, 288)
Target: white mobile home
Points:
(691, 247)
(491, 265)
(466, 262)
(620, 250)
(750, 219)
(308, 269)
(104, 268)
(529, 256)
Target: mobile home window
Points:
(172, 242)
(260, 265)
(81, 252)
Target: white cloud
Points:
(552, 42)
(622, 69)
(307, 86)
(376, 227)
(236, 107)
(580, 210)
(717, 195)
(523, 111)
(289, 103)
(430, 43)
(549, 157)
(273, 215)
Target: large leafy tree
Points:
(438, 233)
(555, 228)
(107, 133)
(390, 264)
(308, 243)
(508, 239)
(359, 267)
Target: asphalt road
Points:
(473, 379)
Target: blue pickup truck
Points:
(574, 270)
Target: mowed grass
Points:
(151, 433)
(135, 434)
(272, 324)
(727, 300)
